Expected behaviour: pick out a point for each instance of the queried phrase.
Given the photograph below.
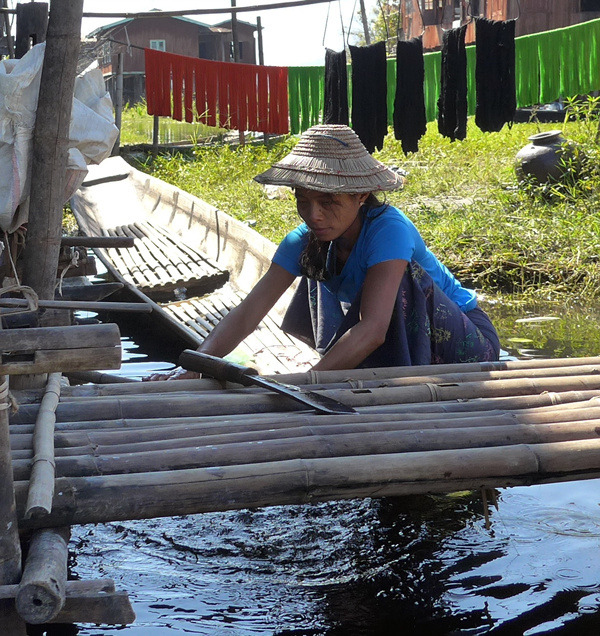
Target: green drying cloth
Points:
(471, 96)
(306, 93)
(569, 73)
(527, 70)
(550, 49)
(433, 83)
(391, 89)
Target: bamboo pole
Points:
(10, 546)
(97, 241)
(100, 378)
(118, 103)
(209, 384)
(41, 593)
(326, 377)
(183, 406)
(41, 484)
(79, 305)
(201, 404)
(146, 495)
(184, 454)
(50, 145)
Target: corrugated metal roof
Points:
(112, 25)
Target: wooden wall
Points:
(533, 16)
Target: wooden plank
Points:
(49, 338)
(94, 602)
(64, 360)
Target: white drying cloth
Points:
(92, 133)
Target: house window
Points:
(590, 5)
(158, 45)
(241, 50)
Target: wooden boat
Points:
(190, 261)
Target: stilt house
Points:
(179, 35)
(431, 17)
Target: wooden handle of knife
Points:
(216, 367)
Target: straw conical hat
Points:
(331, 158)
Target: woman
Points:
(371, 293)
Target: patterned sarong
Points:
(426, 326)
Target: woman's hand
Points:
(175, 374)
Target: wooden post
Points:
(261, 61)
(365, 22)
(119, 103)
(236, 55)
(10, 547)
(32, 23)
(155, 135)
(9, 40)
(41, 593)
(50, 145)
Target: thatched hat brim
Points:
(331, 158)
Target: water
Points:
(418, 565)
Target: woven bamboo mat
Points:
(160, 262)
(268, 349)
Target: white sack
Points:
(92, 132)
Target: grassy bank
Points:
(463, 196)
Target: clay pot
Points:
(541, 159)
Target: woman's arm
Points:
(243, 319)
(240, 321)
(378, 298)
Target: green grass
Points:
(137, 127)
(495, 234)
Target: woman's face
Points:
(330, 216)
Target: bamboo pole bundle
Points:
(244, 401)
(41, 484)
(199, 433)
(116, 414)
(146, 495)
(41, 593)
(188, 453)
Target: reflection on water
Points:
(419, 565)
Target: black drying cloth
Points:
(336, 88)
(495, 73)
(452, 104)
(410, 118)
(369, 94)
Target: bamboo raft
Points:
(190, 262)
(142, 450)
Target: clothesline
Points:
(549, 65)
(552, 64)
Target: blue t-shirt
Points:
(386, 234)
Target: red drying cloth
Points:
(238, 96)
